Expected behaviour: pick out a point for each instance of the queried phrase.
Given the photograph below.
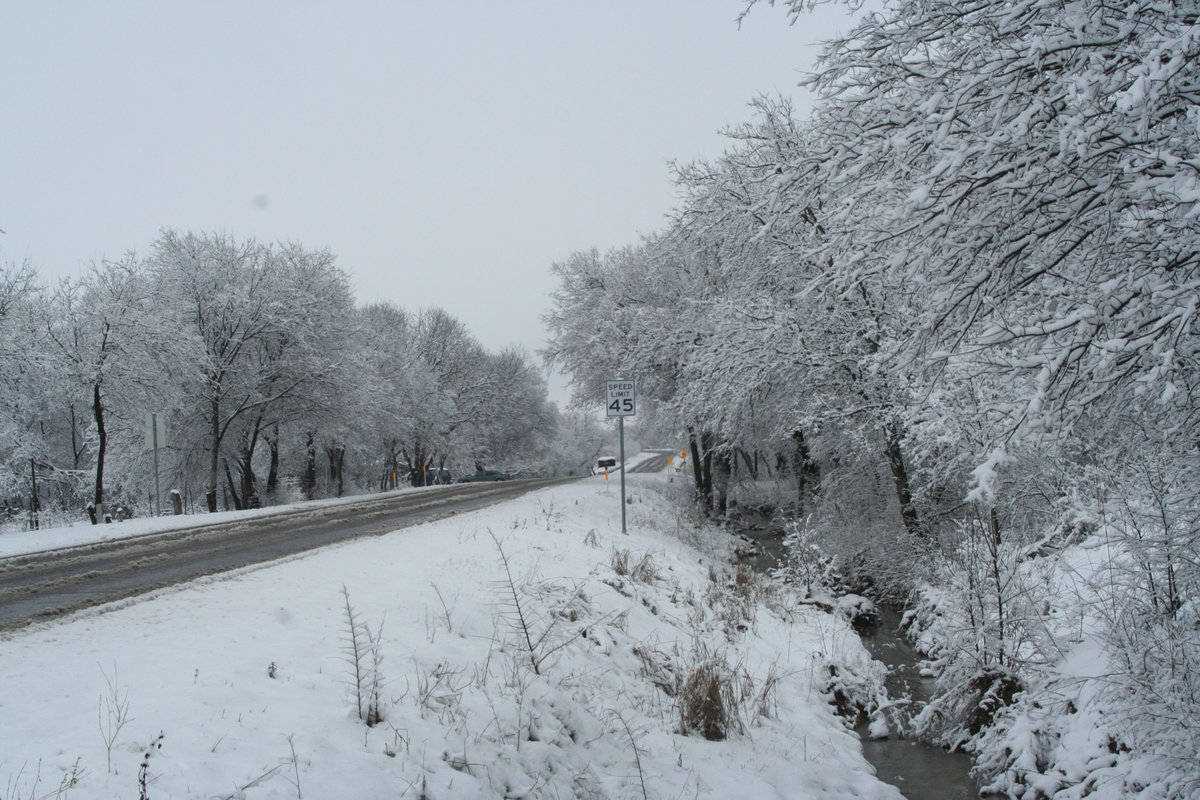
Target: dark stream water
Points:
(920, 771)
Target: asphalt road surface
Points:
(40, 586)
(656, 464)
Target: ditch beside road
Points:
(920, 771)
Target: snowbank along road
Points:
(41, 585)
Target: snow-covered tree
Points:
(264, 327)
(517, 422)
(104, 334)
(1032, 170)
(786, 359)
(306, 366)
(395, 391)
(27, 385)
(1028, 174)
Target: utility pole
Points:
(156, 437)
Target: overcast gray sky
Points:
(446, 152)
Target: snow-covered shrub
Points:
(1154, 696)
(1098, 724)
(983, 629)
(860, 612)
(1061, 739)
(804, 564)
(1098, 692)
(855, 685)
(1151, 616)
(1117, 711)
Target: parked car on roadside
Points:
(431, 476)
(485, 475)
(437, 477)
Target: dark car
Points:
(485, 475)
(433, 477)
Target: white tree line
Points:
(274, 385)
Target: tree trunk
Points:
(215, 460)
(722, 468)
(703, 491)
(702, 460)
(706, 470)
(273, 470)
(249, 481)
(751, 464)
(995, 544)
(101, 448)
(808, 474)
(337, 461)
(417, 467)
(908, 512)
(308, 479)
(250, 498)
(76, 448)
(391, 466)
(233, 490)
(34, 505)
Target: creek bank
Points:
(919, 770)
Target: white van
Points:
(604, 464)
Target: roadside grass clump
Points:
(35, 791)
(363, 653)
(642, 570)
(446, 617)
(551, 517)
(735, 597)
(280, 769)
(637, 755)
(440, 690)
(537, 633)
(710, 694)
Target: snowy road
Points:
(656, 462)
(40, 585)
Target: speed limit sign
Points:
(620, 398)
(620, 401)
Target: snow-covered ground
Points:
(560, 676)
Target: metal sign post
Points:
(620, 401)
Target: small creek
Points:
(920, 771)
